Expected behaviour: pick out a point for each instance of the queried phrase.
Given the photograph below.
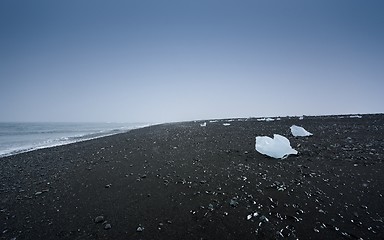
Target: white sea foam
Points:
(23, 137)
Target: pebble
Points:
(107, 226)
(139, 229)
(99, 219)
(233, 202)
(210, 207)
(264, 219)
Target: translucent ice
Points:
(299, 131)
(278, 147)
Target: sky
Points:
(176, 60)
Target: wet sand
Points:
(184, 181)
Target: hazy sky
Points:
(172, 60)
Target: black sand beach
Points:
(184, 181)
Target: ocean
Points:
(23, 137)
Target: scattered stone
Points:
(210, 207)
(140, 229)
(160, 226)
(99, 219)
(264, 219)
(233, 202)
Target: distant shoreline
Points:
(15, 152)
(34, 135)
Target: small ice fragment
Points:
(301, 118)
(226, 124)
(278, 147)
(299, 131)
(355, 116)
(265, 119)
(203, 124)
(249, 216)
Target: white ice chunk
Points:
(299, 131)
(278, 147)
(226, 124)
(203, 124)
(301, 118)
(355, 116)
(265, 119)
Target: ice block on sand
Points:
(276, 147)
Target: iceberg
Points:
(278, 147)
(299, 131)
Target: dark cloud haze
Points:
(178, 60)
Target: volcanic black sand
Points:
(184, 181)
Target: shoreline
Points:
(16, 152)
(184, 181)
(66, 140)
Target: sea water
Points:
(22, 137)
